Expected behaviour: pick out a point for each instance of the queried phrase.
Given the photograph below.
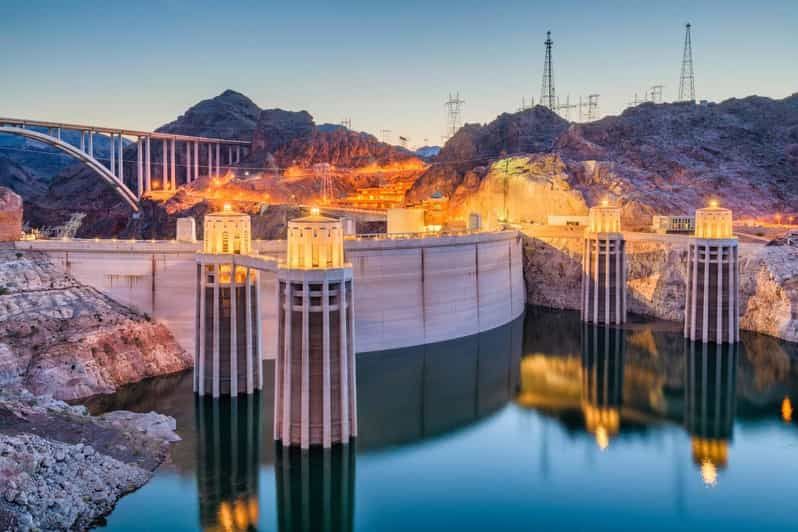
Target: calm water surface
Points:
(542, 424)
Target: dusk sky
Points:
(385, 65)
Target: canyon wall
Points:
(63, 338)
(656, 273)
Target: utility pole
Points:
(454, 112)
(347, 123)
(547, 93)
(565, 109)
(656, 93)
(385, 136)
(592, 107)
(687, 79)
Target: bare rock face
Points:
(531, 131)
(656, 276)
(527, 189)
(65, 339)
(61, 469)
(10, 215)
(230, 115)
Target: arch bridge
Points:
(133, 178)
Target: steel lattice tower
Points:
(687, 79)
(454, 113)
(547, 95)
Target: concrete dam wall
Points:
(407, 291)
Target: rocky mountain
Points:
(428, 152)
(663, 158)
(670, 158)
(475, 146)
(231, 115)
(286, 145)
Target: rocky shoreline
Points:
(62, 469)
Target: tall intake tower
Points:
(604, 268)
(712, 303)
(227, 350)
(314, 373)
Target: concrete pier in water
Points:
(604, 268)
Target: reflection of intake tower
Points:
(228, 456)
(602, 381)
(314, 393)
(712, 306)
(227, 346)
(316, 489)
(711, 374)
(604, 268)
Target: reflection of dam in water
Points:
(406, 395)
(602, 381)
(710, 403)
(228, 460)
(315, 488)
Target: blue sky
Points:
(385, 65)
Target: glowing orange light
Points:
(786, 410)
(227, 207)
(713, 203)
(315, 211)
(602, 438)
(709, 473)
(605, 203)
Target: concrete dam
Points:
(409, 291)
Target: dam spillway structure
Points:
(712, 303)
(710, 403)
(227, 350)
(314, 395)
(602, 381)
(604, 268)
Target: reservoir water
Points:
(542, 424)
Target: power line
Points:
(454, 112)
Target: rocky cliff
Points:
(663, 158)
(656, 273)
(65, 339)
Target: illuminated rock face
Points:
(228, 358)
(315, 402)
(604, 268)
(713, 280)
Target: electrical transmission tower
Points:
(564, 109)
(347, 123)
(454, 114)
(322, 171)
(687, 79)
(385, 136)
(592, 107)
(655, 95)
(547, 94)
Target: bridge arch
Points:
(107, 176)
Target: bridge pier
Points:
(172, 169)
(196, 160)
(112, 154)
(210, 160)
(91, 143)
(82, 141)
(188, 163)
(218, 160)
(139, 169)
(147, 165)
(121, 159)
